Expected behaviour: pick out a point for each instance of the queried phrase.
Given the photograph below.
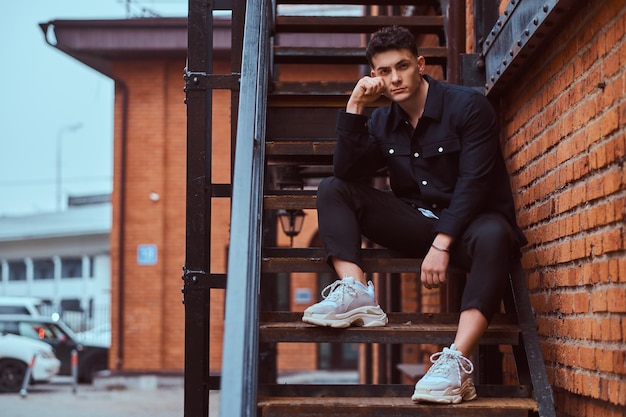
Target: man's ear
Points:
(421, 64)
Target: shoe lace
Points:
(442, 361)
(336, 291)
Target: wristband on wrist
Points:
(439, 249)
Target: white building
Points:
(62, 258)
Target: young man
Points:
(451, 202)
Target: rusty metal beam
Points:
(518, 32)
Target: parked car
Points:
(91, 358)
(21, 305)
(16, 353)
(99, 335)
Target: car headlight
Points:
(46, 354)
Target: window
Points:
(14, 310)
(17, 271)
(71, 267)
(71, 304)
(43, 269)
(92, 263)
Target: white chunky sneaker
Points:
(447, 381)
(346, 302)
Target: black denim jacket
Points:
(451, 164)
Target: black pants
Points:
(347, 211)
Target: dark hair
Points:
(390, 37)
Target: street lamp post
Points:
(59, 160)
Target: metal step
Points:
(301, 152)
(357, 24)
(276, 200)
(335, 91)
(274, 260)
(365, 2)
(415, 328)
(366, 406)
(379, 390)
(355, 56)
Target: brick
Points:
(616, 300)
(587, 358)
(581, 303)
(612, 240)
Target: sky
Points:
(48, 98)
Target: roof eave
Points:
(97, 43)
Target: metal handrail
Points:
(239, 362)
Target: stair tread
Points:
(432, 328)
(356, 24)
(339, 55)
(362, 2)
(394, 332)
(281, 259)
(299, 147)
(300, 152)
(499, 320)
(276, 202)
(378, 405)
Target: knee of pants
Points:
(329, 188)
(324, 185)
(494, 233)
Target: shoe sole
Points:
(466, 392)
(362, 317)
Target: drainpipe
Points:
(122, 225)
(103, 67)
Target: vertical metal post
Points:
(454, 12)
(198, 212)
(74, 371)
(27, 374)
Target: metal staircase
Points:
(284, 126)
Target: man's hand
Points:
(366, 91)
(434, 268)
(436, 261)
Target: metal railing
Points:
(239, 363)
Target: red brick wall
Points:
(156, 161)
(155, 156)
(563, 131)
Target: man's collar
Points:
(432, 108)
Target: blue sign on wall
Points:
(147, 254)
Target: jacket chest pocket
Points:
(397, 159)
(441, 148)
(394, 150)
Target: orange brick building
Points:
(563, 123)
(564, 132)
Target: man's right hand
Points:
(366, 91)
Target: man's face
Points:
(401, 72)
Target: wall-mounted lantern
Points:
(291, 220)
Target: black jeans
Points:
(348, 210)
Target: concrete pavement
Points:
(134, 399)
(124, 396)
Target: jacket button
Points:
(391, 151)
(434, 205)
(424, 182)
(416, 154)
(440, 149)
